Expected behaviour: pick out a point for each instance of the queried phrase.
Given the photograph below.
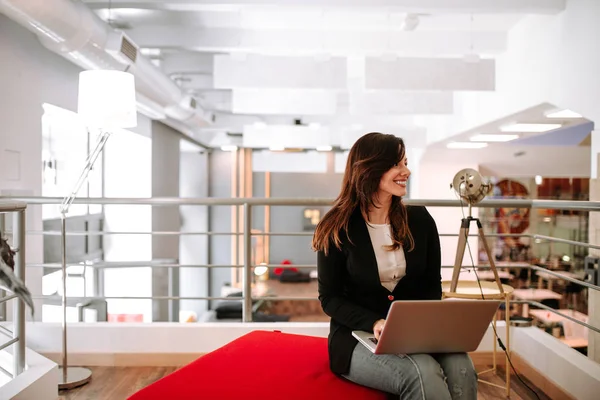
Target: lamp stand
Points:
(72, 377)
(475, 291)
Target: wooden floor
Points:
(117, 383)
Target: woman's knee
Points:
(459, 365)
(427, 378)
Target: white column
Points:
(165, 183)
(414, 156)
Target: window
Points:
(66, 144)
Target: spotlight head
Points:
(468, 184)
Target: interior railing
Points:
(17, 334)
(247, 234)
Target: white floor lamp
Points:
(106, 103)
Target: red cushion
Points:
(260, 365)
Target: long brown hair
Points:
(370, 157)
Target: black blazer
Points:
(350, 290)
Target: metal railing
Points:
(246, 235)
(18, 210)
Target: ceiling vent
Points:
(122, 48)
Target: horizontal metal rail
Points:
(11, 205)
(571, 205)
(5, 331)
(559, 240)
(80, 298)
(248, 203)
(565, 277)
(177, 233)
(133, 264)
(7, 298)
(8, 343)
(555, 311)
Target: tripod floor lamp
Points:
(106, 103)
(470, 187)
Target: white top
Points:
(391, 264)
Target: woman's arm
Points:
(331, 270)
(434, 260)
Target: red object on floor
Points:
(260, 365)
(279, 270)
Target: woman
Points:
(373, 250)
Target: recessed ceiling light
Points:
(493, 138)
(466, 145)
(229, 147)
(529, 127)
(276, 148)
(563, 114)
(324, 148)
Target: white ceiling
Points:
(533, 115)
(335, 62)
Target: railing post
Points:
(247, 309)
(2, 292)
(19, 229)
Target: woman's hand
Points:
(378, 328)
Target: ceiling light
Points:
(530, 127)
(493, 138)
(324, 148)
(260, 125)
(276, 148)
(563, 114)
(314, 125)
(410, 22)
(466, 145)
(229, 147)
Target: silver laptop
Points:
(432, 326)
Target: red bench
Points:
(260, 365)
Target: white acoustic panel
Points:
(413, 137)
(284, 101)
(285, 136)
(429, 74)
(258, 71)
(304, 162)
(391, 102)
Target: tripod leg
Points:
(460, 252)
(489, 255)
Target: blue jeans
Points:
(415, 376)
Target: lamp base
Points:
(75, 377)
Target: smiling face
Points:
(394, 181)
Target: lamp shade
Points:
(469, 185)
(107, 99)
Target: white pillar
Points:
(414, 156)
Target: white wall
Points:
(127, 160)
(548, 59)
(434, 181)
(25, 63)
